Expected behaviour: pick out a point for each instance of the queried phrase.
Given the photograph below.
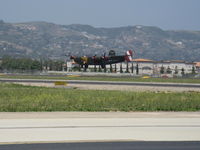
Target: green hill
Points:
(48, 40)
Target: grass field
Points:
(105, 78)
(18, 98)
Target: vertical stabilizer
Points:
(128, 56)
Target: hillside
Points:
(48, 40)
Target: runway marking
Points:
(131, 126)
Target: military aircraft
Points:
(103, 60)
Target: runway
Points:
(154, 84)
(56, 127)
(106, 146)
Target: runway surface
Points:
(114, 126)
(188, 85)
(107, 146)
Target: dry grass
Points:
(19, 98)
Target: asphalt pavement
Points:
(156, 84)
(106, 146)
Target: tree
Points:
(100, 70)
(183, 71)
(127, 68)
(10, 63)
(105, 70)
(121, 70)
(176, 70)
(115, 67)
(169, 70)
(95, 68)
(111, 69)
(193, 70)
(132, 67)
(162, 70)
(35, 65)
(79, 68)
(137, 69)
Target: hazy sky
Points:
(166, 14)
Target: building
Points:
(197, 65)
(150, 67)
(157, 68)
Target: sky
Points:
(166, 14)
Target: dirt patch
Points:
(134, 88)
(115, 87)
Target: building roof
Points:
(142, 60)
(171, 61)
(197, 64)
(177, 61)
(164, 61)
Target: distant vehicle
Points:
(103, 60)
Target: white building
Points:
(198, 66)
(149, 67)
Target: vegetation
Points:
(162, 70)
(41, 39)
(183, 71)
(28, 64)
(193, 70)
(18, 98)
(176, 70)
(169, 71)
